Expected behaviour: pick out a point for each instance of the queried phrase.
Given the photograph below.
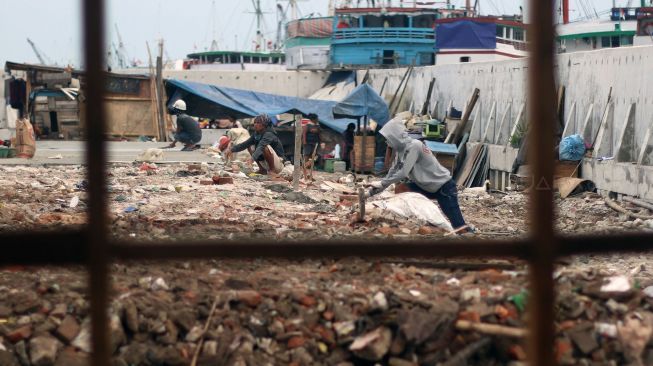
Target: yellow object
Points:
(323, 347)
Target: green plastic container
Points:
(7, 153)
(328, 165)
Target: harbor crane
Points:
(43, 59)
(121, 52)
(282, 18)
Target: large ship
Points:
(478, 39)
(383, 37)
(236, 60)
(307, 43)
(627, 26)
(265, 55)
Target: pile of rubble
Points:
(348, 312)
(327, 313)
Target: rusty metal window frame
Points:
(91, 245)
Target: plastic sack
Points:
(151, 154)
(572, 148)
(25, 141)
(413, 205)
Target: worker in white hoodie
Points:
(425, 175)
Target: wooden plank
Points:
(478, 162)
(468, 165)
(460, 128)
(401, 96)
(427, 101)
(394, 96)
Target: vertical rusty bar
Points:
(541, 103)
(97, 243)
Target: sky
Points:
(185, 26)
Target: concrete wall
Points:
(587, 76)
(288, 83)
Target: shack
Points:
(53, 99)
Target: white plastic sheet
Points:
(12, 116)
(413, 205)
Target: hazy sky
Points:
(186, 26)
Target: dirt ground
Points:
(312, 312)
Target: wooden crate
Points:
(447, 161)
(364, 163)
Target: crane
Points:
(121, 52)
(281, 15)
(43, 59)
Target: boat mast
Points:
(214, 42)
(259, 18)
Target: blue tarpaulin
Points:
(466, 34)
(211, 101)
(363, 101)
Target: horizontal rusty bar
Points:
(320, 249)
(613, 243)
(43, 248)
(68, 247)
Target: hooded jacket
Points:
(414, 160)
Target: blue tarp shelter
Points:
(211, 101)
(466, 34)
(363, 101)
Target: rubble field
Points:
(313, 312)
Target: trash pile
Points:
(313, 312)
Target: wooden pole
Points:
(394, 110)
(154, 95)
(427, 101)
(638, 202)
(385, 80)
(394, 96)
(364, 153)
(297, 156)
(159, 92)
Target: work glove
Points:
(374, 191)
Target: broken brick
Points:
(249, 297)
(295, 342)
(20, 334)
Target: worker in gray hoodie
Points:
(415, 162)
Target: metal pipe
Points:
(542, 115)
(96, 231)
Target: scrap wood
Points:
(206, 328)
(427, 100)
(340, 188)
(638, 202)
(615, 206)
(567, 185)
(461, 357)
(460, 129)
(468, 165)
(476, 163)
(492, 329)
(465, 266)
